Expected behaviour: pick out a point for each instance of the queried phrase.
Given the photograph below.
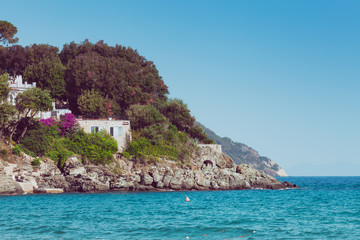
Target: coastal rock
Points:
(146, 179)
(80, 179)
(202, 181)
(177, 180)
(8, 185)
(242, 154)
(49, 176)
(167, 177)
(210, 169)
(73, 166)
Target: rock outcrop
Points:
(7, 184)
(242, 154)
(209, 170)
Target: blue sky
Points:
(281, 76)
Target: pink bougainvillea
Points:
(48, 122)
(68, 124)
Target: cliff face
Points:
(242, 154)
(209, 170)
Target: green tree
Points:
(13, 60)
(39, 52)
(7, 110)
(118, 73)
(28, 104)
(48, 75)
(178, 114)
(7, 32)
(45, 68)
(142, 116)
(92, 103)
(4, 87)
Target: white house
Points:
(17, 86)
(118, 129)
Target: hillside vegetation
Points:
(93, 80)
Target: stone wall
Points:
(214, 147)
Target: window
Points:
(95, 129)
(116, 131)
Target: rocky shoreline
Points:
(209, 170)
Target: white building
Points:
(17, 86)
(118, 129)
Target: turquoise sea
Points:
(324, 208)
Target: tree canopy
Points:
(117, 73)
(32, 101)
(4, 87)
(7, 32)
(13, 60)
(98, 80)
(7, 110)
(45, 68)
(91, 103)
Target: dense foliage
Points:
(96, 147)
(118, 74)
(48, 73)
(7, 32)
(6, 109)
(60, 140)
(95, 80)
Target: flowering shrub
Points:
(48, 122)
(68, 124)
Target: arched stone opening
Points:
(208, 163)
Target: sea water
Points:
(323, 208)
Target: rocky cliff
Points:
(209, 170)
(242, 154)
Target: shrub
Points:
(96, 147)
(142, 116)
(48, 122)
(142, 147)
(3, 152)
(35, 162)
(68, 124)
(59, 156)
(126, 155)
(59, 153)
(23, 149)
(16, 150)
(38, 139)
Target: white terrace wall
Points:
(213, 147)
(119, 129)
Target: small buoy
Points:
(187, 237)
(187, 199)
